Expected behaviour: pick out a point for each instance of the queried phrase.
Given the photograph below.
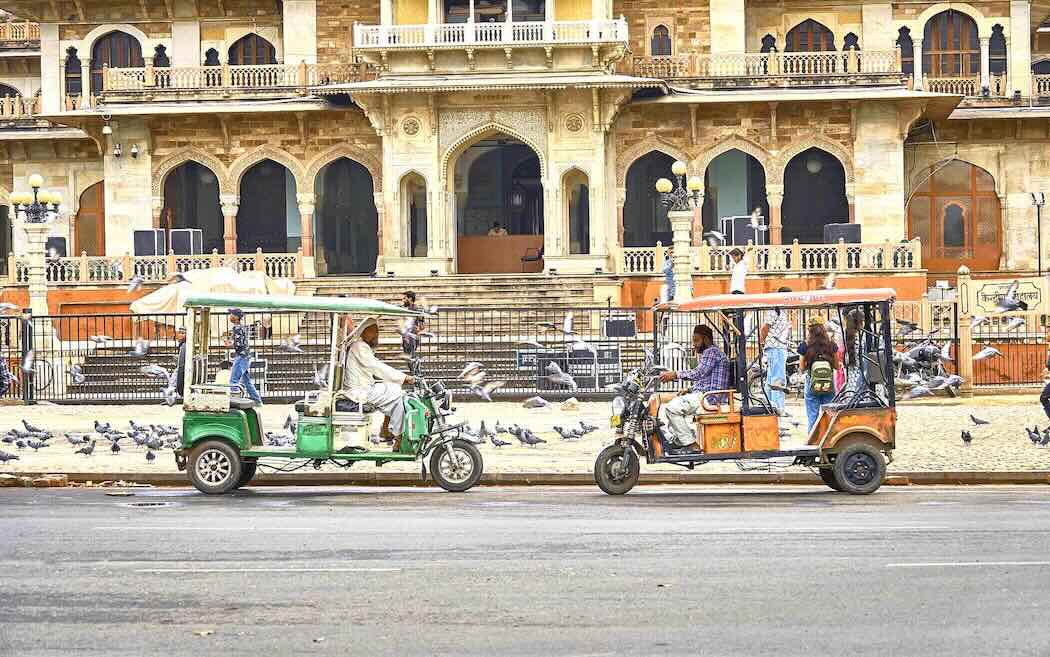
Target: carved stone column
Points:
(775, 197)
(306, 215)
(984, 41)
(230, 205)
(36, 250)
(681, 228)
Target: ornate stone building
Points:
(394, 136)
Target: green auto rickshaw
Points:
(223, 437)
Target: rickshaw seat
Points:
(241, 404)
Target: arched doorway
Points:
(814, 195)
(414, 209)
(577, 210)
(950, 47)
(645, 219)
(955, 213)
(116, 50)
(268, 214)
(735, 186)
(347, 221)
(499, 189)
(809, 36)
(89, 226)
(191, 200)
(252, 49)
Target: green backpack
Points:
(821, 377)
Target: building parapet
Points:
(19, 34)
(495, 35)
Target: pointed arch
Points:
(643, 148)
(479, 133)
(258, 154)
(191, 154)
(350, 152)
(833, 148)
(88, 42)
(984, 28)
(730, 143)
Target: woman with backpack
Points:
(819, 362)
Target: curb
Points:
(564, 479)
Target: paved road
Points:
(526, 571)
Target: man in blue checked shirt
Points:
(242, 356)
(711, 373)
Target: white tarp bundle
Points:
(224, 280)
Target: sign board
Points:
(988, 293)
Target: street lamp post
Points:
(681, 198)
(36, 210)
(37, 207)
(1038, 199)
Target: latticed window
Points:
(950, 47)
(810, 36)
(661, 42)
(252, 49)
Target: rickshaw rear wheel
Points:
(610, 473)
(215, 467)
(456, 466)
(248, 469)
(828, 477)
(859, 469)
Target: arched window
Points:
(74, 85)
(953, 225)
(660, 46)
(850, 41)
(252, 49)
(907, 51)
(9, 91)
(115, 50)
(810, 36)
(997, 51)
(950, 47)
(769, 44)
(211, 57)
(1041, 67)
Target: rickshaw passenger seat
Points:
(242, 404)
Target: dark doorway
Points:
(814, 195)
(503, 186)
(191, 200)
(115, 50)
(268, 216)
(645, 219)
(347, 222)
(734, 185)
(89, 227)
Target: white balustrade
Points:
(90, 270)
(770, 65)
(19, 31)
(1041, 85)
(267, 76)
(495, 33)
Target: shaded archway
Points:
(955, 213)
(268, 214)
(735, 186)
(645, 219)
(814, 196)
(414, 210)
(950, 47)
(115, 50)
(89, 226)
(346, 220)
(191, 200)
(252, 49)
(577, 211)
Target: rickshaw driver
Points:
(368, 380)
(711, 373)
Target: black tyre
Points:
(612, 474)
(456, 466)
(248, 469)
(828, 477)
(215, 467)
(859, 469)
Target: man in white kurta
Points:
(368, 380)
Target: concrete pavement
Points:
(526, 571)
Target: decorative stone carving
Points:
(411, 126)
(459, 126)
(574, 122)
(180, 157)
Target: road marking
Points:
(165, 528)
(965, 564)
(158, 571)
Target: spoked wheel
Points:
(859, 469)
(456, 466)
(828, 477)
(215, 467)
(248, 469)
(614, 472)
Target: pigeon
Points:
(936, 382)
(75, 439)
(499, 429)
(485, 391)
(135, 283)
(290, 424)
(1010, 302)
(565, 435)
(7, 456)
(1033, 435)
(977, 320)
(139, 348)
(103, 427)
(829, 281)
(907, 327)
(560, 377)
(151, 456)
(978, 421)
(1046, 438)
(1014, 324)
(917, 391)
(155, 371)
(321, 376)
(496, 442)
(587, 428)
(514, 430)
(967, 438)
(536, 402)
(581, 345)
(954, 380)
(86, 450)
(100, 339)
(178, 277)
(9, 439)
(76, 373)
(36, 444)
(115, 447)
(20, 444)
(28, 361)
(530, 439)
(470, 436)
(946, 351)
(170, 396)
(565, 328)
(986, 353)
(714, 238)
(484, 431)
(6, 307)
(477, 378)
(291, 345)
(470, 369)
(531, 344)
(32, 429)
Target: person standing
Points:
(240, 372)
(668, 272)
(738, 276)
(412, 326)
(180, 362)
(775, 336)
(819, 362)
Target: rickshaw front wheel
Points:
(456, 466)
(614, 473)
(215, 467)
(859, 469)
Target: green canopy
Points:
(276, 302)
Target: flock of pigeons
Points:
(151, 438)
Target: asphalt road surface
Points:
(526, 571)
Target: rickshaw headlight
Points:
(618, 404)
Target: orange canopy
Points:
(808, 299)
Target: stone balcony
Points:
(775, 69)
(16, 36)
(504, 45)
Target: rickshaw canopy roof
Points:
(807, 299)
(276, 302)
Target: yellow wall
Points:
(410, 12)
(572, 10)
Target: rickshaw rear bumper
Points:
(180, 459)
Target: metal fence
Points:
(1019, 339)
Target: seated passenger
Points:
(711, 373)
(368, 380)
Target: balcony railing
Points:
(1040, 85)
(770, 65)
(18, 33)
(780, 258)
(227, 78)
(966, 85)
(18, 107)
(457, 35)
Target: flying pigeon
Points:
(1014, 323)
(946, 351)
(986, 353)
(954, 380)
(155, 371)
(170, 396)
(714, 238)
(100, 339)
(977, 320)
(485, 390)
(531, 344)
(907, 327)
(829, 281)
(290, 424)
(76, 372)
(178, 277)
(1010, 302)
(560, 377)
(139, 348)
(581, 345)
(291, 345)
(321, 376)
(978, 421)
(536, 402)
(470, 369)
(28, 361)
(135, 283)
(477, 378)
(917, 391)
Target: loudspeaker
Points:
(150, 242)
(187, 241)
(743, 231)
(58, 244)
(848, 233)
(619, 327)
